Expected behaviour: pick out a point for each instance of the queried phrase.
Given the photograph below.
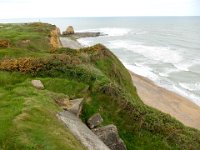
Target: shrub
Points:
(21, 64)
(4, 43)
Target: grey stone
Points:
(120, 145)
(94, 120)
(76, 106)
(81, 131)
(109, 135)
(37, 84)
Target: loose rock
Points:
(109, 135)
(94, 120)
(37, 84)
(76, 106)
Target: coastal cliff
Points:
(29, 115)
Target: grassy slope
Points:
(27, 117)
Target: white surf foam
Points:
(163, 54)
(142, 70)
(166, 72)
(185, 65)
(194, 98)
(85, 41)
(191, 86)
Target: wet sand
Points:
(166, 101)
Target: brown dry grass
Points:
(4, 44)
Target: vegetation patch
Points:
(4, 43)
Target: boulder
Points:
(73, 106)
(37, 84)
(119, 146)
(109, 135)
(94, 120)
(4, 44)
(76, 106)
(69, 30)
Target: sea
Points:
(163, 49)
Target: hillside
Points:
(28, 116)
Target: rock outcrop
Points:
(109, 135)
(94, 121)
(54, 39)
(69, 30)
(37, 84)
(64, 103)
(4, 44)
(76, 106)
(73, 106)
(81, 131)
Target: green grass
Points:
(28, 116)
(37, 33)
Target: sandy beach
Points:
(166, 101)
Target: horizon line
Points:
(90, 17)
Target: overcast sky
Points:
(90, 8)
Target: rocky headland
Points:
(53, 96)
(69, 37)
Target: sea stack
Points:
(69, 30)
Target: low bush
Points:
(4, 43)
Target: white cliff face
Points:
(81, 131)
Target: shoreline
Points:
(157, 97)
(167, 101)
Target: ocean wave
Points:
(193, 97)
(167, 71)
(142, 70)
(185, 65)
(109, 31)
(85, 41)
(191, 86)
(163, 54)
(181, 89)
